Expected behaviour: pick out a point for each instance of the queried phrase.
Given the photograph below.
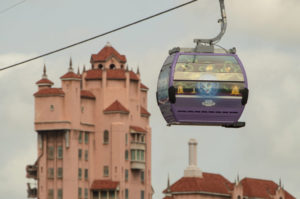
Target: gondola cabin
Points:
(202, 89)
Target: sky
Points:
(265, 33)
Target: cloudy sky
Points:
(265, 33)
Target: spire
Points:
(127, 68)
(70, 65)
(168, 186)
(138, 70)
(78, 72)
(237, 178)
(279, 182)
(84, 68)
(44, 73)
(192, 170)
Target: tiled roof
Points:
(133, 76)
(104, 185)
(116, 107)
(137, 129)
(49, 92)
(70, 75)
(44, 81)
(117, 74)
(168, 197)
(87, 94)
(143, 87)
(106, 53)
(93, 74)
(144, 112)
(209, 183)
(259, 188)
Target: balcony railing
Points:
(31, 192)
(137, 164)
(138, 145)
(31, 171)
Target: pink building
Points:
(200, 185)
(94, 138)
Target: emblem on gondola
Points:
(208, 103)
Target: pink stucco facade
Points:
(94, 138)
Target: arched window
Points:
(112, 66)
(122, 66)
(100, 66)
(105, 137)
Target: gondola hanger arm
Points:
(223, 22)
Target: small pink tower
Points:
(94, 138)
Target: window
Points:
(86, 193)
(50, 194)
(142, 155)
(50, 152)
(138, 155)
(59, 152)
(79, 192)
(105, 171)
(59, 194)
(79, 154)
(86, 138)
(126, 155)
(80, 137)
(106, 137)
(86, 155)
(132, 154)
(142, 177)
(86, 174)
(103, 194)
(79, 173)
(100, 66)
(50, 173)
(51, 107)
(126, 138)
(126, 175)
(142, 194)
(143, 138)
(111, 194)
(59, 172)
(40, 140)
(126, 193)
(112, 66)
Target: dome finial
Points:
(70, 65)
(44, 72)
(108, 44)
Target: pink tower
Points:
(94, 138)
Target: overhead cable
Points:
(11, 7)
(97, 36)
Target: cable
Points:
(11, 7)
(103, 34)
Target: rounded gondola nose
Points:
(202, 88)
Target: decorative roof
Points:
(209, 183)
(133, 76)
(70, 76)
(114, 74)
(143, 87)
(87, 94)
(144, 112)
(93, 74)
(168, 197)
(107, 52)
(116, 107)
(104, 185)
(44, 82)
(259, 188)
(49, 92)
(134, 129)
